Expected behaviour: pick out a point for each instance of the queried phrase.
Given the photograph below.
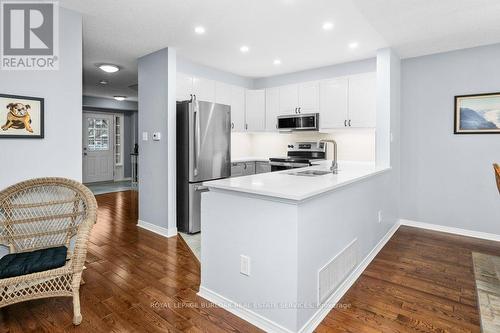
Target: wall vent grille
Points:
(337, 270)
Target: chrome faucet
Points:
(335, 166)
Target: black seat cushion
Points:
(16, 264)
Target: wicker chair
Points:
(497, 174)
(40, 214)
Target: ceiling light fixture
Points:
(327, 26)
(109, 68)
(120, 98)
(277, 62)
(244, 49)
(199, 30)
(353, 45)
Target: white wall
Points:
(353, 144)
(448, 179)
(60, 152)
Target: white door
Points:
(272, 108)
(363, 100)
(237, 109)
(289, 99)
(98, 147)
(255, 110)
(309, 97)
(333, 105)
(204, 89)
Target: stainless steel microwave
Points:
(298, 122)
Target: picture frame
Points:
(477, 114)
(21, 117)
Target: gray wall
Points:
(129, 111)
(60, 152)
(349, 68)
(448, 179)
(157, 158)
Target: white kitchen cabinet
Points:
(362, 100)
(289, 99)
(242, 168)
(223, 93)
(237, 109)
(308, 97)
(204, 89)
(272, 108)
(255, 110)
(184, 87)
(333, 103)
(237, 169)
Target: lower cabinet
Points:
(249, 168)
(262, 167)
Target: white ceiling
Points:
(120, 31)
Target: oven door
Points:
(280, 166)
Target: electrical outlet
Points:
(380, 216)
(245, 265)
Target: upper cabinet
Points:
(223, 93)
(237, 109)
(184, 87)
(272, 108)
(255, 110)
(204, 89)
(308, 97)
(348, 102)
(288, 99)
(362, 100)
(333, 105)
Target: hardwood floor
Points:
(136, 281)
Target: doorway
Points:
(98, 147)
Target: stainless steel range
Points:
(299, 155)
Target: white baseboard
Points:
(323, 311)
(270, 326)
(241, 312)
(450, 230)
(165, 232)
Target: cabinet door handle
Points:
(299, 110)
(246, 126)
(345, 123)
(232, 125)
(349, 122)
(245, 166)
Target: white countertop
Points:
(297, 188)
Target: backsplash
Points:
(353, 144)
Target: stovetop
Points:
(303, 152)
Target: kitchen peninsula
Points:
(280, 248)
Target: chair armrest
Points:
(80, 250)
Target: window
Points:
(118, 140)
(98, 139)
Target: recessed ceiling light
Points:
(277, 62)
(109, 68)
(103, 82)
(327, 26)
(353, 45)
(244, 49)
(120, 98)
(199, 30)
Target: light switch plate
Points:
(144, 136)
(245, 265)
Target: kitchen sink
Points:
(310, 173)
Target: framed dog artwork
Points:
(21, 117)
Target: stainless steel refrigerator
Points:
(203, 154)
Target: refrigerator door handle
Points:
(196, 137)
